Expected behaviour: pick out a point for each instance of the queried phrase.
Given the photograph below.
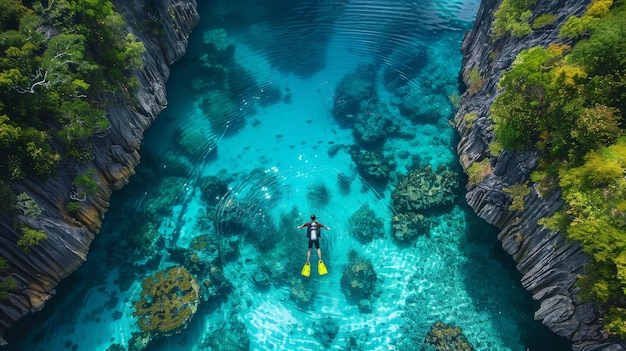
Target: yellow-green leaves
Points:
(512, 18)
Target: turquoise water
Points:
(258, 136)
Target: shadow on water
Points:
(508, 301)
(273, 25)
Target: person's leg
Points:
(308, 254)
(319, 252)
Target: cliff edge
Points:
(548, 262)
(116, 155)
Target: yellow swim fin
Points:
(321, 268)
(306, 270)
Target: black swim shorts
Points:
(316, 242)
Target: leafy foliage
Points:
(30, 237)
(563, 102)
(30, 208)
(512, 18)
(575, 27)
(478, 171)
(7, 198)
(517, 192)
(469, 119)
(72, 207)
(595, 215)
(58, 61)
(7, 283)
(570, 103)
(475, 81)
(543, 20)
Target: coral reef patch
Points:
(406, 227)
(359, 278)
(365, 226)
(446, 337)
(425, 189)
(354, 91)
(168, 301)
(374, 166)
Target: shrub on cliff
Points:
(575, 27)
(7, 283)
(570, 105)
(30, 237)
(595, 215)
(512, 18)
(550, 101)
(59, 62)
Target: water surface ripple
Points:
(281, 109)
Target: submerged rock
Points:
(373, 124)
(373, 165)
(213, 189)
(352, 93)
(318, 195)
(231, 336)
(326, 330)
(168, 301)
(425, 189)
(406, 227)
(365, 226)
(359, 278)
(446, 337)
(299, 292)
(365, 306)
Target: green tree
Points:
(10, 13)
(594, 214)
(7, 283)
(84, 185)
(595, 127)
(512, 18)
(30, 237)
(30, 208)
(575, 27)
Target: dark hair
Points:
(313, 217)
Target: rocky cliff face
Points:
(116, 155)
(549, 263)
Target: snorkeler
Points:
(314, 233)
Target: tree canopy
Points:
(569, 102)
(60, 61)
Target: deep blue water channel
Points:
(281, 109)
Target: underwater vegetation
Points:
(444, 337)
(425, 189)
(168, 301)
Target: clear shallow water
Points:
(251, 145)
